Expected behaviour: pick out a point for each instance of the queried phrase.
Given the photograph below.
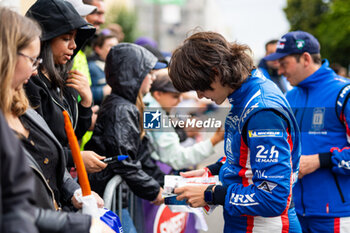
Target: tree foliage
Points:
(305, 15)
(328, 21)
(334, 32)
(126, 18)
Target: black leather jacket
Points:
(117, 130)
(116, 133)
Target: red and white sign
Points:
(169, 222)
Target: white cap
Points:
(82, 8)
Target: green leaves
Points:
(328, 21)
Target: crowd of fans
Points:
(277, 138)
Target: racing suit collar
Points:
(240, 94)
(321, 75)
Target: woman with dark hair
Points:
(55, 88)
(262, 146)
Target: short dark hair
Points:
(270, 42)
(316, 57)
(205, 55)
(100, 40)
(90, 2)
(337, 68)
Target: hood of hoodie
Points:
(57, 17)
(126, 67)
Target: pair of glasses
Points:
(35, 61)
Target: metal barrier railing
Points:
(131, 205)
(110, 197)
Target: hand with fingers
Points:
(195, 173)
(80, 83)
(159, 199)
(194, 194)
(308, 164)
(92, 161)
(78, 204)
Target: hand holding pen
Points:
(115, 159)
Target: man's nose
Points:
(280, 70)
(200, 94)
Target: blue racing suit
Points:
(262, 149)
(324, 131)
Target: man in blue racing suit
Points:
(262, 146)
(319, 101)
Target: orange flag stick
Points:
(78, 160)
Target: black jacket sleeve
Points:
(60, 222)
(16, 185)
(117, 133)
(68, 187)
(148, 164)
(84, 120)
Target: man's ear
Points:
(157, 95)
(307, 59)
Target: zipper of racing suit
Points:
(338, 187)
(301, 135)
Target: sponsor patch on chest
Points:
(265, 133)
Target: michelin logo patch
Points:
(265, 133)
(152, 119)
